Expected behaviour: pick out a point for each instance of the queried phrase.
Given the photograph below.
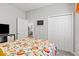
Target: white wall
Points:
(43, 13)
(8, 15)
(77, 32)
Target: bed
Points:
(28, 47)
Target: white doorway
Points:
(60, 31)
(22, 28)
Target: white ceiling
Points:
(29, 6)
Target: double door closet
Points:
(61, 31)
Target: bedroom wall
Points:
(77, 31)
(43, 13)
(8, 15)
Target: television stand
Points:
(7, 38)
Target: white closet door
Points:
(22, 28)
(60, 31)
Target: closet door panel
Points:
(60, 31)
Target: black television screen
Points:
(4, 28)
(40, 22)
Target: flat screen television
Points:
(4, 28)
(40, 22)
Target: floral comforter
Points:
(28, 47)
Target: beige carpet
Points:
(65, 53)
